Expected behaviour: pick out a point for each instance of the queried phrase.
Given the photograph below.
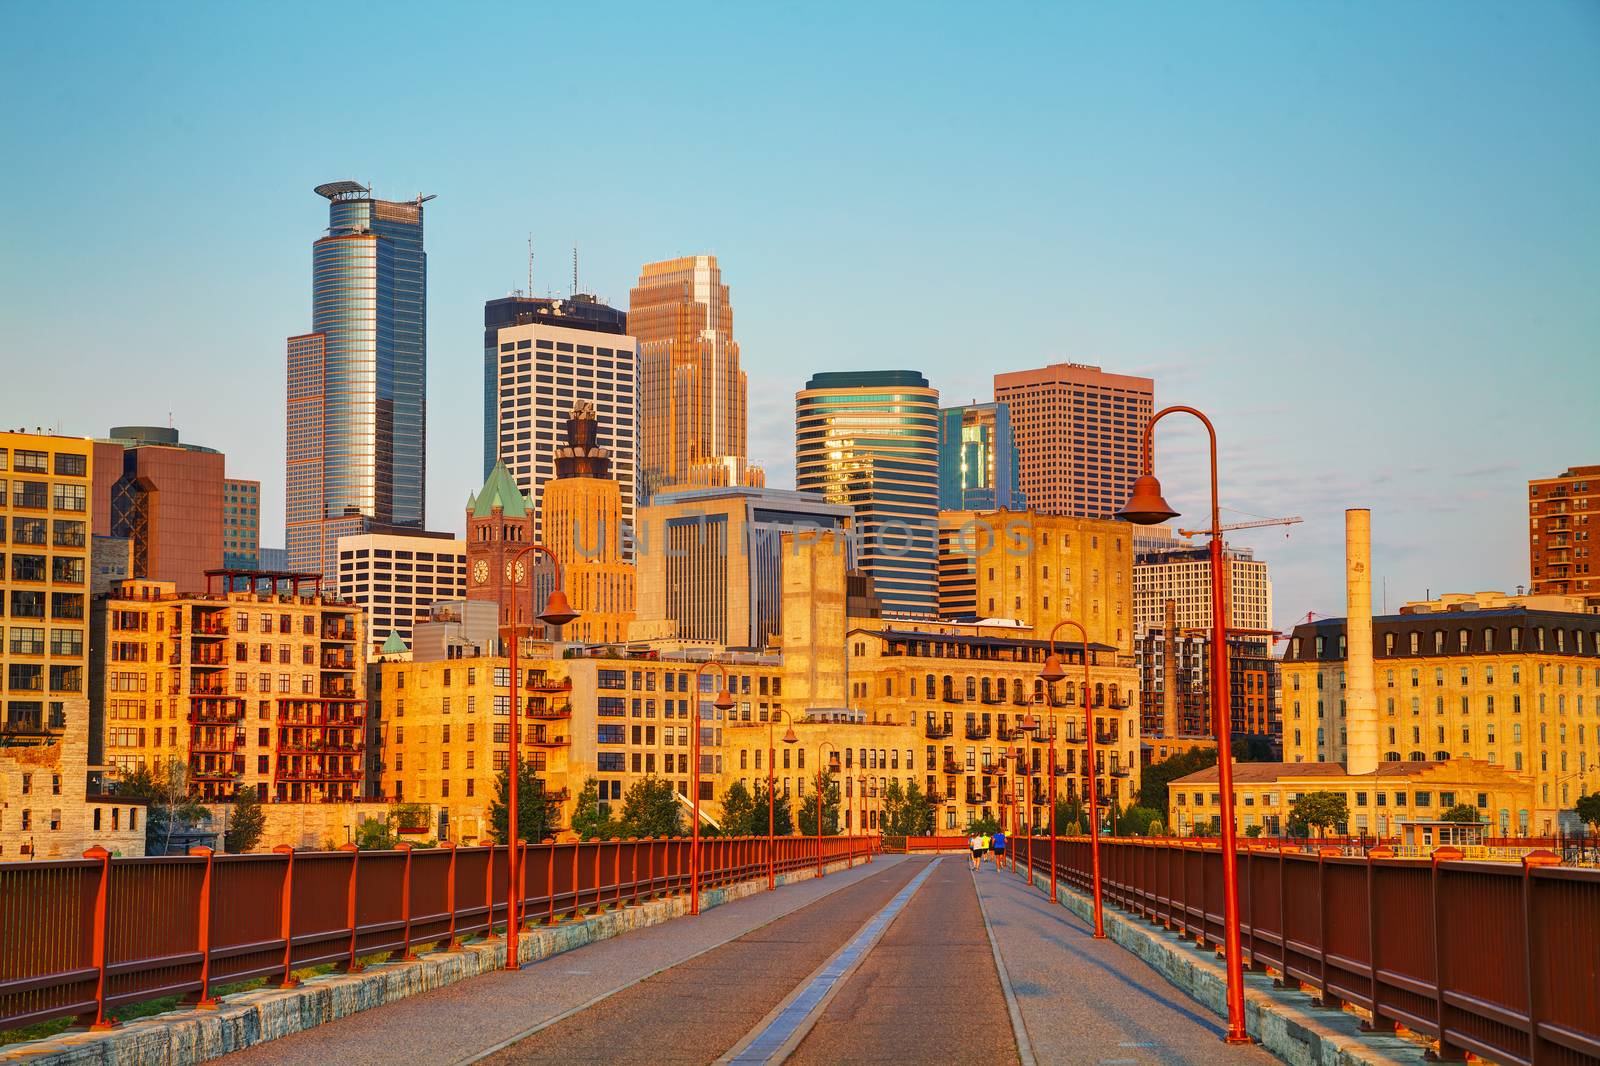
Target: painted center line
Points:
(774, 1042)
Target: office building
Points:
(1079, 433)
(869, 440)
(167, 498)
(357, 408)
(275, 559)
(693, 408)
(260, 687)
(1036, 570)
(241, 524)
(978, 467)
(583, 525)
(1183, 575)
(396, 578)
(1563, 516)
(542, 356)
(710, 565)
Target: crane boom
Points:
(1292, 520)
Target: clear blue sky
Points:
(1366, 237)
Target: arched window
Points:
(1391, 756)
(1016, 691)
(1441, 756)
(949, 687)
(972, 687)
(928, 687)
(1099, 695)
(1417, 756)
(986, 690)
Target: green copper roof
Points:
(499, 491)
(394, 645)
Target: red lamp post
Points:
(723, 702)
(1053, 671)
(822, 786)
(772, 802)
(1147, 507)
(557, 612)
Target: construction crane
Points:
(1292, 520)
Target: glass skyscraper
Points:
(357, 425)
(978, 468)
(870, 439)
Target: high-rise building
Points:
(241, 524)
(582, 521)
(1079, 433)
(710, 568)
(541, 356)
(166, 497)
(692, 399)
(1560, 533)
(357, 410)
(869, 440)
(1184, 575)
(395, 578)
(978, 468)
(1037, 570)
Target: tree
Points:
(1157, 776)
(1252, 831)
(1588, 808)
(1136, 820)
(806, 808)
(1465, 813)
(169, 809)
(1321, 811)
(536, 811)
(374, 835)
(650, 809)
(590, 820)
(246, 821)
(906, 811)
(982, 825)
(739, 812)
(1069, 819)
(1253, 747)
(782, 815)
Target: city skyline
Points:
(1357, 280)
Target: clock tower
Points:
(499, 525)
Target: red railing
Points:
(1495, 959)
(80, 938)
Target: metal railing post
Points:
(98, 945)
(1446, 1052)
(489, 935)
(450, 894)
(203, 930)
(352, 964)
(286, 915)
(406, 954)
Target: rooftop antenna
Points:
(574, 270)
(530, 266)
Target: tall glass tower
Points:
(357, 419)
(978, 459)
(870, 439)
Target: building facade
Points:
(978, 466)
(540, 358)
(1515, 688)
(583, 525)
(1183, 575)
(710, 562)
(1181, 668)
(396, 578)
(261, 688)
(357, 406)
(1079, 434)
(693, 403)
(869, 440)
(1563, 516)
(166, 498)
(1037, 570)
(241, 524)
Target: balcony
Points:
(210, 625)
(1039, 796)
(936, 732)
(207, 685)
(207, 655)
(338, 659)
(558, 795)
(979, 732)
(541, 739)
(953, 767)
(978, 798)
(333, 629)
(225, 742)
(540, 683)
(335, 690)
(549, 714)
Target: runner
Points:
(998, 844)
(975, 842)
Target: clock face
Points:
(516, 573)
(480, 571)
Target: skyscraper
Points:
(870, 440)
(166, 498)
(582, 522)
(978, 459)
(692, 400)
(1079, 433)
(542, 356)
(357, 418)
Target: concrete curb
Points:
(245, 1019)
(1285, 1021)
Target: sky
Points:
(1363, 237)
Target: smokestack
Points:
(1361, 699)
(1169, 685)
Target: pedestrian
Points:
(975, 842)
(998, 844)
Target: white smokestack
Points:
(1361, 698)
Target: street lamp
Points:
(1147, 507)
(822, 786)
(724, 703)
(772, 802)
(1054, 671)
(557, 612)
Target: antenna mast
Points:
(574, 270)
(530, 266)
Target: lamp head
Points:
(724, 701)
(1028, 722)
(557, 611)
(789, 737)
(1146, 506)
(1053, 670)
